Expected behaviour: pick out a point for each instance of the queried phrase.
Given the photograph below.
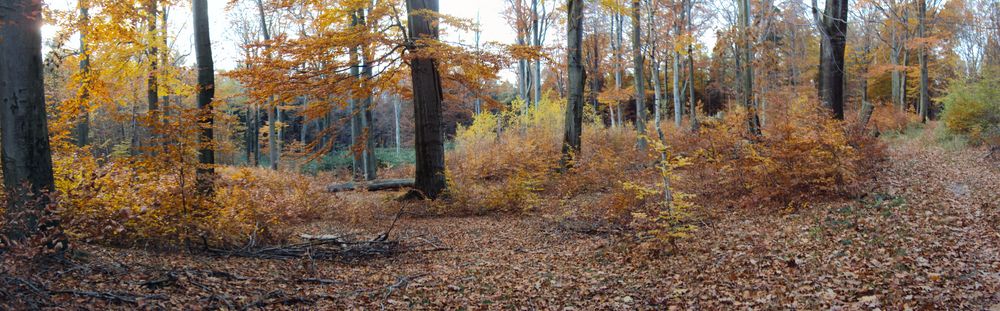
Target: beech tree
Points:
(427, 94)
(26, 154)
(640, 81)
(206, 93)
(833, 39)
(577, 79)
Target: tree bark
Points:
(26, 154)
(206, 93)
(924, 96)
(746, 54)
(640, 81)
(367, 117)
(152, 85)
(274, 152)
(577, 79)
(427, 95)
(692, 102)
(83, 124)
(372, 185)
(833, 30)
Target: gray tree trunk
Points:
(833, 30)
(427, 95)
(206, 93)
(924, 96)
(692, 101)
(640, 81)
(577, 79)
(746, 53)
(26, 155)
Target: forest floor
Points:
(928, 237)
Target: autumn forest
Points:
(500, 154)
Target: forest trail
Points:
(926, 238)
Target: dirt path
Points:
(928, 238)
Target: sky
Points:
(224, 46)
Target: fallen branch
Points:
(374, 185)
(117, 297)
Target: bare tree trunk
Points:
(833, 29)
(746, 53)
(924, 96)
(274, 152)
(206, 93)
(577, 78)
(26, 155)
(427, 95)
(692, 102)
(678, 109)
(640, 89)
(83, 124)
(152, 89)
(395, 112)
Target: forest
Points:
(500, 154)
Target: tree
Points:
(428, 136)
(922, 56)
(83, 124)
(577, 78)
(206, 93)
(745, 58)
(152, 85)
(640, 81)
(26, 154)
(274, 153)
(833, 30)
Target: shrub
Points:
(803, 156)
(973, 109)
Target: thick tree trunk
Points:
(26, 155)
(427, 95)
(833, 29)
(640, 81)
(206, 93)
(577, 78)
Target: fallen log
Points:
(374, 185)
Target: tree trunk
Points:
(924, 97)
(367, 117)
(26, 155)
(83, 124)
(833, 29)
(427, 95)
(395, 112)
(152, 89)
(206, 93)
(640, 89)
(577, 78)
(692, 102)
(753, 121)
(274, 152)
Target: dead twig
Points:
(401, 283)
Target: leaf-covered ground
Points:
(927, 238)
